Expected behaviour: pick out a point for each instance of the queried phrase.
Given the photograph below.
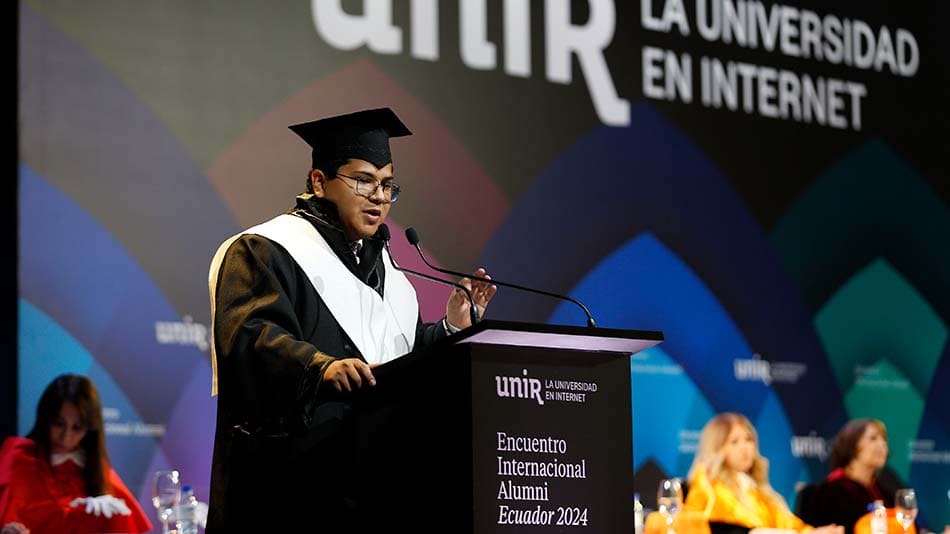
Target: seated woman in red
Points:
(58, 478)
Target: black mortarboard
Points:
(361, 135)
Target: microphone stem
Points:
(472, 309)
(590, 317)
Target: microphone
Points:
(413, 238)
(472, 310)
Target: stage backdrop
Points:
(764, 182)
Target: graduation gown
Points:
(37, 494)
(277, 427)
(842, 501)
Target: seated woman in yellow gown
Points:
(728, 482)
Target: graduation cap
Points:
(361, 135)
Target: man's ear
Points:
(318, 181)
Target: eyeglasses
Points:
(367, 187)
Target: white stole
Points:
(382, 328)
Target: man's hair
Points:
(329, 169)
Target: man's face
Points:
(360, 215)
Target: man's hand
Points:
(456, 309)
(349, 374)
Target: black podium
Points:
(503, 427)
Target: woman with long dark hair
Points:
(58, 478)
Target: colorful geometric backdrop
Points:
(797, 270)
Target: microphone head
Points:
(383, 232)
(412, 236)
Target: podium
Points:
(503, 427)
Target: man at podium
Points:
(303, 307)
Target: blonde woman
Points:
(729, 483)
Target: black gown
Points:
(841, 501)
(282, 456)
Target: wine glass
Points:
(669, 500)
(905, 507)
(166, 492)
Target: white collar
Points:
(77, 456)
(356, 247)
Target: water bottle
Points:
(186, 520)
(879, 518)
(637, 514)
